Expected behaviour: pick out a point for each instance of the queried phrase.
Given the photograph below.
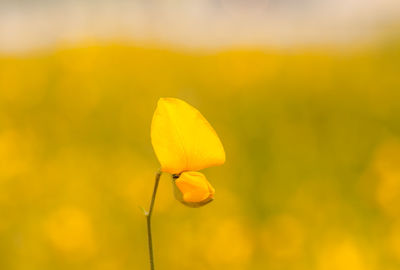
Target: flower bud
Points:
(192, 189)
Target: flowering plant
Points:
(184, 143)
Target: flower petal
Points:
(182, 138)
(194, 187)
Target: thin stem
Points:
(148, 218)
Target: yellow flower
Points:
(184, 141)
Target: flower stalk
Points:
(148, 218)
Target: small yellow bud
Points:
(193, 189)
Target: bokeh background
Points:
(305, 96)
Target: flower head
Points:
(184, 142)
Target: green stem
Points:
(148, 218)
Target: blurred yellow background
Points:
(311, 133)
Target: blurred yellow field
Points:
(312, 172)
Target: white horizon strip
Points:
(26, 27)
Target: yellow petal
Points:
(194, 187)
(182, 138)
